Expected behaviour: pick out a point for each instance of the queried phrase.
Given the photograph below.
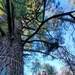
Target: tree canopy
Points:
(43, 25)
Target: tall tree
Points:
(34, 32)
(11, 54)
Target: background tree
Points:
(36, 67)
(50, 70)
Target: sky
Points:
(64, 3)
(57, 63)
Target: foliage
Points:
(42, 23)
(68, 73)
(49, 69)
(0, 10)
(4, 27)
(37, 68)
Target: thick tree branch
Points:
(55, 16)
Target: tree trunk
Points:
(11, 59)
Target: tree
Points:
(64, 71)
(49, 69)
(68, 58)
(36, 67)
(11, 49)
(39, 32)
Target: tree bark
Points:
(11, 56)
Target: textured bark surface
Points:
(11, 59)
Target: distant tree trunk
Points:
(11, 59)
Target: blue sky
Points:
(64, 3)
